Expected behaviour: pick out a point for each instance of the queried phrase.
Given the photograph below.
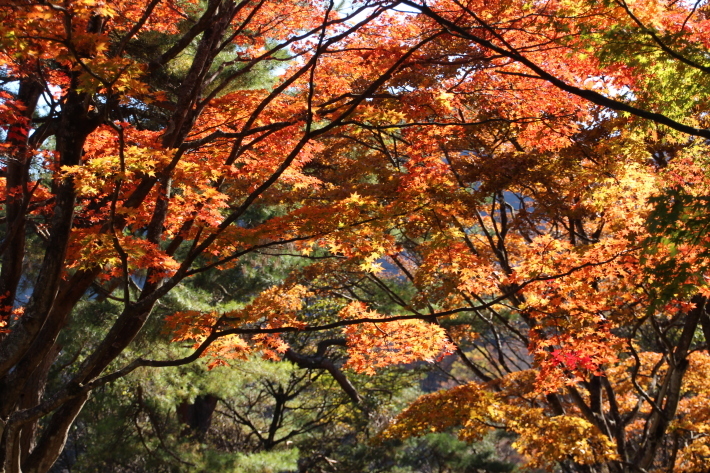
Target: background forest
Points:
(381, 235)
(260, 415)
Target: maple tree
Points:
(591, 303)
(479, 178)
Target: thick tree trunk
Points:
(197, 415)
(52, 442)
(17, 197)
(34, 390)
(25, 354)
(25, 351)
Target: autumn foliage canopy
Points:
(522, 184)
